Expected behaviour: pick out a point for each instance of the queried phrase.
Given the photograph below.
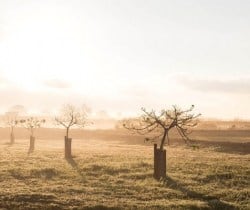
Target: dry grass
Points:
(113, 175)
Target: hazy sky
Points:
(121, 55)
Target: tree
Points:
(19, 109)
(31, 124)
(71, 116)
(158, 126)
(11, 122)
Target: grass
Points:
(113, 175)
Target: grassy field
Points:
(117, 174)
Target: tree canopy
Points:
(159, 124)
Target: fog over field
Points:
(120, 56)
(124, 104)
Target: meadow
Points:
(113, 170)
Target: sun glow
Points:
(41, 48)
(121, 56)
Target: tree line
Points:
(152, 124)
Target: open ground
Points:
(113, 170)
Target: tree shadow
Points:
(75, 166)
(72, 162)
(212, 201)
(30, 152)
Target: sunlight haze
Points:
(121, 55)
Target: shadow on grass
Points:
(30, 151)
(72, 162)
(212, 201)
(75, 166)
(100, 207)
(240, 148)
(8, 144)
(96, 170)
(30, 201)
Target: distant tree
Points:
(119, 124)
(71, 116)
(158, 126)
(31, 124)
(102, 114)
(11, 121)
(20, 109)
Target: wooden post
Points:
(159, 163)
(67, 149)
(32, 144)
(12, 138)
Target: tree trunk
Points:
(168, 139)
(12, 138)
(67, 149)
(163, 139)
(32, 144)
(159, 163)
(67, 132)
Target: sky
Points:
(120, 56)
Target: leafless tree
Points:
(72, 116)
(31, 124)
(159, 125)
(11, 121)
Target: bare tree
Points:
(11, 121)
(158, 125)
(20, 109)
(31, 124)
(71, 116)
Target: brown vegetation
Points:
(113, 170)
